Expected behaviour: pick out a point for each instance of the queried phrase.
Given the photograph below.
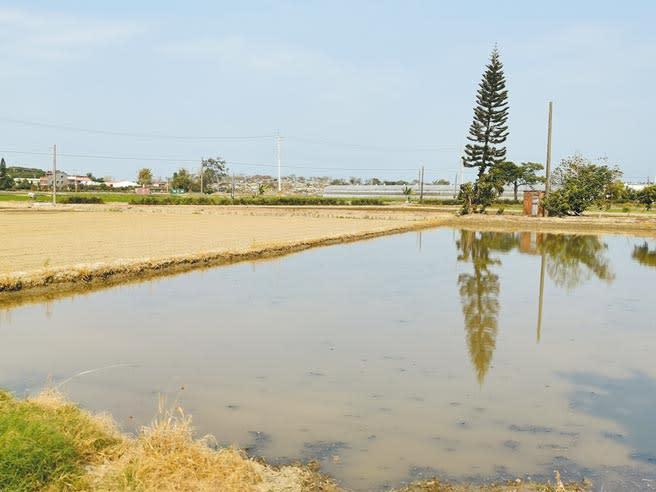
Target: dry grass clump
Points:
(96, 437)
(165, 457)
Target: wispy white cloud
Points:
(59, 37)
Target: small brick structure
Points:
(532, 206)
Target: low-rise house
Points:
(31, 181)
(122, 184)
(61, 179)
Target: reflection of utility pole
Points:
(419, 240)
(541, 297)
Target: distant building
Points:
(122, 184)
(61, 179)
(81, 180)
(32, 181)
(159, 185)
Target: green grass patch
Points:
(22, 197)
(47, 445)
(441, 201)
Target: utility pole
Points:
(202, 163)
(54, 174)
(278, 161)
(462, 171)
(547, 184)
(232, 191)
(421, 184)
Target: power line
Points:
(357, 146)
(307, 166)
(301, 139)
(131, 134)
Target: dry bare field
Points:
(68, 244)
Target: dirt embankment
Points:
(48, 252)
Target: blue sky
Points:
(354, 88)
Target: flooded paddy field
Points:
(469, 355)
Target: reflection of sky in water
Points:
(628, 401)
(385, 359)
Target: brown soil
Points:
(68, 248)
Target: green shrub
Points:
(367, 201)
(82, 199)
(254, 200)
(556, 204)
(647, 196)
(580, 185)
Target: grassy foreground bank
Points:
(49, 444)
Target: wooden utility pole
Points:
(421, 184)
(547, 184)
(54, 174)
(232, 191)
(278, 162)
(202, 163)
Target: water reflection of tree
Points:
(479, 293)
(573, 259)
(569, 259)
(643, 255)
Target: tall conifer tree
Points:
(488, 131)
(5, 180)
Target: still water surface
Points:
(386, 360)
